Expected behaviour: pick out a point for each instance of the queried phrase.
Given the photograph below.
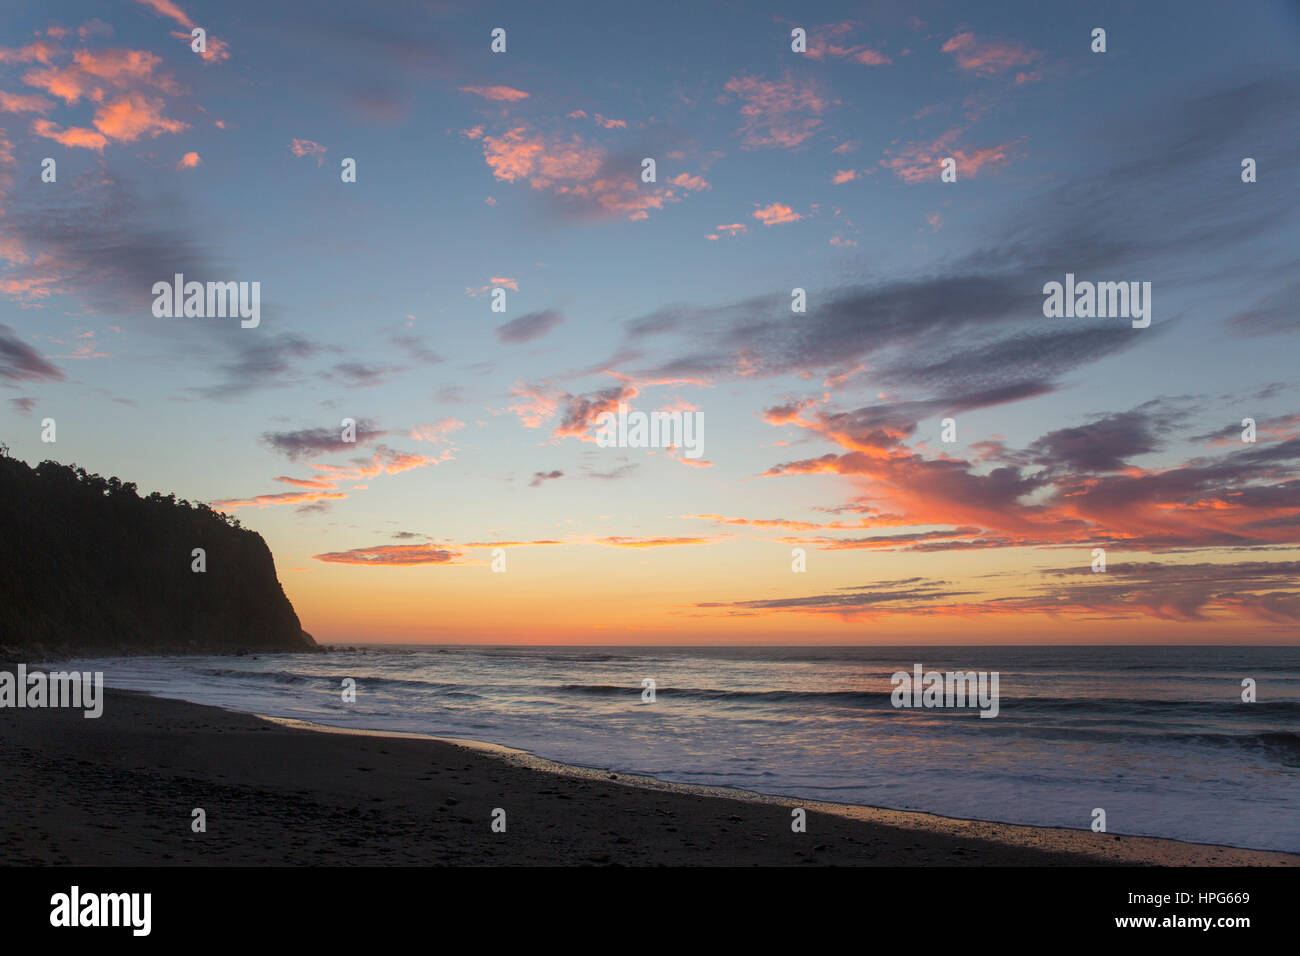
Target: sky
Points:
(828, 502)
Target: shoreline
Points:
(121, 790)
(906, 819)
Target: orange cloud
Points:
(167, 8)
(506, 93)
(189, 161)
(74, 136)
(135, 115)
(215, 49)
(307, 147)
(284, 498)
(391, 555)
(773, 523)
(385, 461)
(844, 176)
(776, 214)
(493, 282)
(90, 70)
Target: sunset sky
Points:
(776, 170)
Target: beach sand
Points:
(120, 790)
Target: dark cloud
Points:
(1263, 589)
(106, 244)
(306, 442)
(542, 476)
(19, 362)
(978, 318)
(414, 346)
(257, 361)
(528, 327)
(1102, 445)
(361, 375)
(880, 595)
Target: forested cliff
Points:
(87, 566)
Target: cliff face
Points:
(89, 567)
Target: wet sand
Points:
(120, 791)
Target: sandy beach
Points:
(120, 790)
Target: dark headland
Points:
(89, 567)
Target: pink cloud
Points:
(687, 181)
(985, 57)
(306, 147)
(22, 103)
(782, 113)
(572, 169)
(827, 41)
(731, 229)
(920, 162)
(493, 282)
(189, 161)
(776, 214)
(512, 155)
(535, 405)
(38, 52)
(437, 431)
(843, 176)
(215, 49)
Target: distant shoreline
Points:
(121, 790)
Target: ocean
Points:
(1157, 737)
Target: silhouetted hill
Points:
(87, 566)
